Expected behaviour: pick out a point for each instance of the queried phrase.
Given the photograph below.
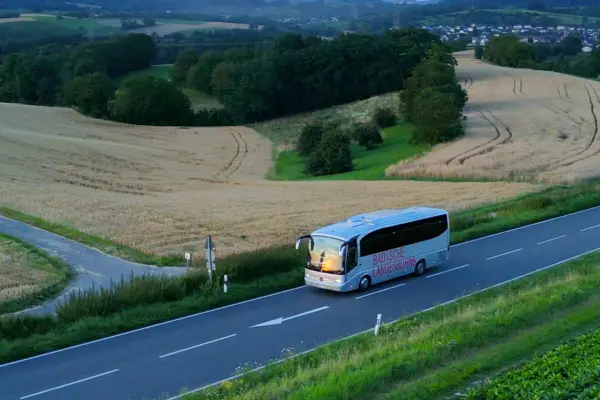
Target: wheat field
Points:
(522, 125)
(163, 189)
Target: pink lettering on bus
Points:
(388, 256)
(402, 264)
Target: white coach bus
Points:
(375, 247)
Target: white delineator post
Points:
(224, 283)
(377, 324)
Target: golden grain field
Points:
(22, 272)
(522, 124)
(163, 189)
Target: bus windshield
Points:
(324, 255)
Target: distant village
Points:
(481, 34)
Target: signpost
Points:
(187, 257)
(209, 254)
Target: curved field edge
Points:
(432, 354)
(34, 257)
(466, 225)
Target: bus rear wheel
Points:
(420, 268)
(364, 283)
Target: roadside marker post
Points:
(209, 254)
(187, 257)
(224, 283)
(378, 324)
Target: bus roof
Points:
(363, 223)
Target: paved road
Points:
(93, 267)
(208, 347)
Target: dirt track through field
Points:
(525, 125)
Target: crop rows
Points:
(571, 371)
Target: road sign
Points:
(209, 254)
(187, 256)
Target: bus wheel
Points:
(420, 268)
(364, 283)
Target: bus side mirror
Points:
(342, 251)
(299, 241)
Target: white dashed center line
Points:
(503, 254)
(196, 346)
(449, 270)
(550, 240)
(69, 384)
(591, 227)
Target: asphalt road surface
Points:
(188, 353)
(93, 267)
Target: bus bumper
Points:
(334, 286)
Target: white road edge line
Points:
(550, 240)
(448, 270)
(379, 291)
(234, 304)
(588, 228)
(503, 254)
(390, 322)
(70, 384)
(198, 345)
(526, 226)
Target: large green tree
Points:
(147, 100)
(90, 93)
(437, 117)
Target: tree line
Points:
(564, 57)
(87, 76)
(298, 74)
(431, 99)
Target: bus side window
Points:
(351, 256)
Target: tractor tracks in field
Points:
(503, 135)
(567, 161)
(468, 82)
(556, 110)
(241, 151)
(594, 137)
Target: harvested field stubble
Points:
(522, 124)
(162, 189)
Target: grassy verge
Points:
(28, 276)
(431, 355)
(369, 164)
(145, 301)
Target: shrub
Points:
(367, 135)
(309, 138)
(12, 328)
(385, 117)
(332, 156)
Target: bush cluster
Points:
(385, 117)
